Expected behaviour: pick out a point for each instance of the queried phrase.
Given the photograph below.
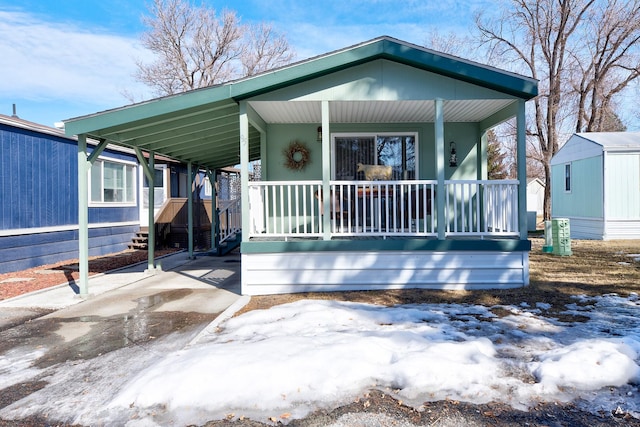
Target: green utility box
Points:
(561, 236)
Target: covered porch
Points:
(329, 225)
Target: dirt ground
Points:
(594, 268)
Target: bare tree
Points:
(607, 64)
(195, 47)
(550, 38)
(265, 50)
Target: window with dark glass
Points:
(397, 151)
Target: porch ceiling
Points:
(206, 135)
(377, 111)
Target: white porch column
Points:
(244, 170)
(326, 172)
(522, 169)
(83, 215)
(439, 141)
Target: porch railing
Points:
(230, 217)
(383, 208)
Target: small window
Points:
(112, 183)
(567, 177)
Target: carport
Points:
(201, 128)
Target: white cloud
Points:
(48, 61)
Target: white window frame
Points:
(133, 186)
(374, 135)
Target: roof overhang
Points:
(202, 126)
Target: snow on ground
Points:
(292, 359)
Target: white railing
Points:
(285, 208)
(383, 208)
(230, 218)
(481, 208)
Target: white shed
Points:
(595, 183)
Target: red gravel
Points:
(63, 272)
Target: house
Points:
(595, 183)
(313, 222)
(39, 193)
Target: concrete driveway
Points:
(125, 311)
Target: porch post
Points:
(522, 170)
(326, 173)
(214, 211)
(148, 168)
(439, 141)
(244, 170)
(83, 215)
(190, 208)
(152, 204)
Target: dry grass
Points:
(594, 268)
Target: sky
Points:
(71, 58)
(288, 361)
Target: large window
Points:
(395, 150)
(112, 182)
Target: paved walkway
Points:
(206, 284)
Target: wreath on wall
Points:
(296, 156)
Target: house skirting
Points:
(24, 250)
(599, 229)
(290, 267)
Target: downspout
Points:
(439, 142)
(522, 170)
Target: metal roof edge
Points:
(386, 47)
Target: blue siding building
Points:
(39, 197)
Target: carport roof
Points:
(202, 125)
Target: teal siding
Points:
(623, 186)
(587, 193)
(466, 136)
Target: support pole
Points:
(148, 168)
(190, 209)
(152, 225)
(83, 215)
(214, 210)
(440, 194)
(244, 170)
(522, 170)
(326, 172)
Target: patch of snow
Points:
(296, 358)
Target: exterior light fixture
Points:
(319, 134)
(453, 158)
